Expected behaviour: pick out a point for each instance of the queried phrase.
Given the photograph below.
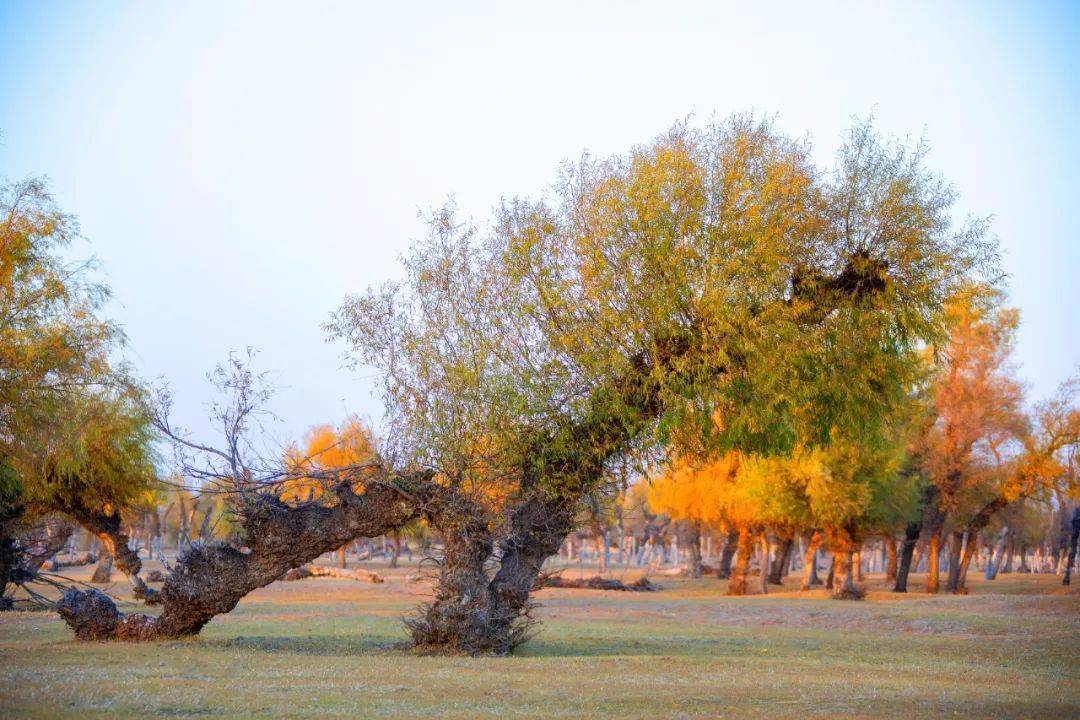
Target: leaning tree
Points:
(713, 273)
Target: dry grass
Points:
(326, 648)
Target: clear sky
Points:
(239, 167)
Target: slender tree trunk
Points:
(693, 545)
(9, 554)
(810, 561)
(737, 586)
(856, 560)
(978, 522)
(933, 555)
(890, 554)
(1010, 551)
(763, 562)
(830, 581)
(1074, 536)
(996, 555)
(970, 549)
(395, 548)
(723, 567)
(956, 544)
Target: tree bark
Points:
(997, 555)
(890, 552)
(810, 561)
(956, 544)
(692, 535)
(933, 555)
(103, 571)
(737, 586)
(844, 577)
(723, 567)
(781, 561)
(1074, 536)
(907, 551)
(210, 579)
(763, 563)
(980, 521)
(395, 548)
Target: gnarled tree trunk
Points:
(210, 579)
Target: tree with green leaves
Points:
(71, 437)
(714, 271)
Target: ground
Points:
(328, 648)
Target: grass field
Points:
(329, 648)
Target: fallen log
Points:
(76, 560)
(599, 583)
(307, 571)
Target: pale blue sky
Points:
(239, 167)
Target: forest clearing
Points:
(330, 648)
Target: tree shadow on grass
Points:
(355, 645)
(314, 645)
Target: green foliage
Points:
(72, 427)
(710, 290)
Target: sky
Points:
(238, 168)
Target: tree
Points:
(272, 536)
(712, 270)
(1045, 466)
(975, 407)
(70, 438)
(710, 273)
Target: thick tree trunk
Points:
(907, 552)
(809, 577)
(844, 576)
(731, 543)
(210, 579)
(781, 561)
(737, 585)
